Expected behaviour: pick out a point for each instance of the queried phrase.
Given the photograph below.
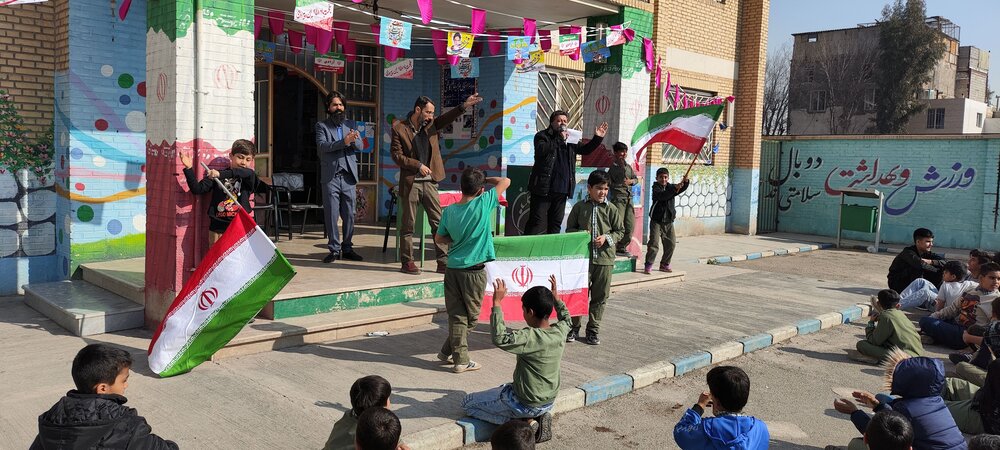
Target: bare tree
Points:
(776, 77)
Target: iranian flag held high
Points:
(524, 262)
(239, 275)
(687, 129)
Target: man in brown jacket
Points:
(415, 150)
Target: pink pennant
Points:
(351, 50)
(276, 20)
(730, 99)
(358, 1)
(478, 21)
(123, 9)
(377, 31)
(545, 40)
(495, 44)
(647, 48)
(392, 53)
(659, 72)
(426, 10)
(666, 92)
(574, 29)
(453, 59)
(627, 33)
(677, 95)
(311, 33)
(295, 41)
(440, 44)
(340, 30)
(256, 25)
(324, 39)
(530, 28)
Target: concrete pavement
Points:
(290, 398)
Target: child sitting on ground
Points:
(977, 258)
(539, 349)
(366, 393)
(379, 429)
(946, 326)
(975, 410)
(916, 261)
(972, 366)
(925, 296)
(888, 329)
(94, 415)
(513, 435)
(601, 219)
(917, 384)
(728, 391)
(889, 430)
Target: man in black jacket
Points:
(553, 176)
(94, 415)
(916, 261)
(661, 220)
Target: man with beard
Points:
(337, 142)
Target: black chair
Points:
(266, 201)
(290, 184)
(390, 218)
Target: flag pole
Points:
(693, 160)
(222, 186)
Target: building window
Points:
(979, 120)
(360, 83)
(817, 101)
(935, 118)
(870, 99)
(671, 155)
(812, 38)
(559, 90)
(810, 74)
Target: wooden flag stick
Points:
(690, 166)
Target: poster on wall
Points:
(569, 44)
(520, 47)
(317, 13)
(595, 51)
(263, 51)
(535, 62)
(459, 44)
(466, 68)
(395, 33)
(366, 131)
(401, 69)
(330, 62)
(454, 91)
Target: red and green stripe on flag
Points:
(687, 129)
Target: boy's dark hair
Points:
(619, 146)
(597, 177)
(378, 429)
(332, 95)
(979, 252)
(996, 257)
(730, 386)
(472, 180)
(985, 442)
(96, 364)
(957, 268)
(889, 430)
(557, 113)
(540, 301)
(662, 171)
(369, 392)
(243, 147)
(514, 435)
(989, 267)
(982, 259)
(921, 233)
(888, 298)
(422, 101)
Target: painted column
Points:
(516, 129)
(201, 69)
(617, 92)
(752, 55)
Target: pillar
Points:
(516, 130)
(751, 59)
(200, 67)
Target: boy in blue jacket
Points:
(728, 390)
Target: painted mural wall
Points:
(100, 130)
(947, 185)
(705, 206)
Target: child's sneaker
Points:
(960, 358)
(544, 431)
(574, 333)
(472, 365)
(926, 340)
(665, 268)
(592, 339)
(647, 269)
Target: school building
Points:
(122, 92)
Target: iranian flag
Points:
(239, 275)
(524, 262)
(687, 129)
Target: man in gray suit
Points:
(337, 142)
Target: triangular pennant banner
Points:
(295, 41)
(478, 21)
(276, 19)
(529, 28)
(426, 10)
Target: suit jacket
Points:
(334, 155)
(404, 154)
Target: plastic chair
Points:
(267, 201)
(292, 183)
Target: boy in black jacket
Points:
(916, 261)
(239, 178)
(94, 415)
(661, 220)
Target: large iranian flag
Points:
(239, 275)
(524, 262)
(687, 129)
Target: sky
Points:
(979, 19)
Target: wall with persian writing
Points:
(947, 185)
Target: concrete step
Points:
(125, 277)
(83, 308)
(266, 335)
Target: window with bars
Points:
(359, 84)
(559, 90)
(935, 118)
(671, 155)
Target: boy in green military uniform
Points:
(887, 329)
(604, 223)
(622, 179)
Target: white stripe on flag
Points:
(521, 275)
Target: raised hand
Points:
(351, 137)
(705, 400)
(472, 101)
(845, 406)
(552, 282)
(499, 291)
(601, 130)
(186, 159)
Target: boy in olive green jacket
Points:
(603, 221)
(889, 328)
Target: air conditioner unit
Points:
(930, 94)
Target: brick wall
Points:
(28, 35)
